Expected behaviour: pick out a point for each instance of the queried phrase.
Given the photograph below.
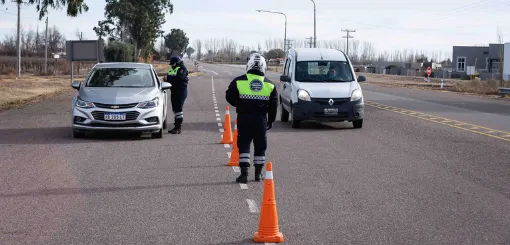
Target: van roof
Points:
(315, 54)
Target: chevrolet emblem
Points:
(115, 107)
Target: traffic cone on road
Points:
(227, 130)
(234, 155)
(268, 225)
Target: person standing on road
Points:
(178, 77)
(256, 101)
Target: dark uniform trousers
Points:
(177, 98)
(251, 127)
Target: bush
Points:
(119, 52)
(35, 65)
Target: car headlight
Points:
(303, 95)
(149, 104)
(84, 104)
(356, 95)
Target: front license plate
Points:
(115, 116)
(331, 111)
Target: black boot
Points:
(258, 172)
(243, 178)
(176, 129)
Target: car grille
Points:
(114, 106)
(325, 102)
(130, 115)
(123, 125)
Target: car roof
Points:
(123, 65)
(315, 54)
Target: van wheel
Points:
(295, 123)
(358, 123)
(284, 115)
(165, 124)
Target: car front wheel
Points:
(295, 123)
(358, 123)
(158, 135)
(78, 135)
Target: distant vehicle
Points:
(120, 96)
(320, 85)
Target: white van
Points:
(320, 85)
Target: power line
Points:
(347, 37)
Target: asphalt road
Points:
(403, 178)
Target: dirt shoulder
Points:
(15, 93)
(470, 87)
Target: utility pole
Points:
(46, 49)
(347, 37)
(314, 25)
(18, 42)
(311, 41)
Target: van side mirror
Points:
(362, 78)
(76, 85)
(284, 78)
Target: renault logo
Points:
(115, 107)
(331, 102)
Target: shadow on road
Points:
(96, 190)
(280, 126)
(245, 241)
(64, 135)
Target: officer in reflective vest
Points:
(178, 77)
(256, 101)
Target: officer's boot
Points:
(176, 129)
(258, 172)
(243, 178)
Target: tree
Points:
(136, 22)
(176, 41)
(275, 53)
(74, 7)
(190, 51)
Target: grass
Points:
(486, 87)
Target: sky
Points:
(432, 25)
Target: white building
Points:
(506, 62)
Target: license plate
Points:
(331, 111)
(115, 116)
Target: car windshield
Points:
(323, 71)
(121, 77)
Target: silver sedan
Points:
(120, 96)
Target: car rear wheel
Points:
(358, 123)
(284, 115)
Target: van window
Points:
(323, 71)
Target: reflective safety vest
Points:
(254, 88)
(173, 72)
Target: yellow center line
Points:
(447, 122)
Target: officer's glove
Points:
(269, 125)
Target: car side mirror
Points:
(165, 86)
(76, 85)
(284, 78)
(362, 78)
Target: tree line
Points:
(360, 52)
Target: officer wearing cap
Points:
(256, 101)
(178, 77)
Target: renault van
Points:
(320, 85)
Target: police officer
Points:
(256, 101)
(178, 77)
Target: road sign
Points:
(428, 71)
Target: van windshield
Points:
(323, 71)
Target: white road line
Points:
(236, 169)
(219, 125)
(243, 186)
(210, 71)
(226, 145)
(252, 206)
(217, 114)
(216, 107)
(229, 154)
(221, 130)
(218, 119)
(216, 111)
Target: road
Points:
(426, 168)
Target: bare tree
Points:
(197, 45)
(269, 44)
(500, 58)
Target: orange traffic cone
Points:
(234, 156)
(227, 130)
(268, 225)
